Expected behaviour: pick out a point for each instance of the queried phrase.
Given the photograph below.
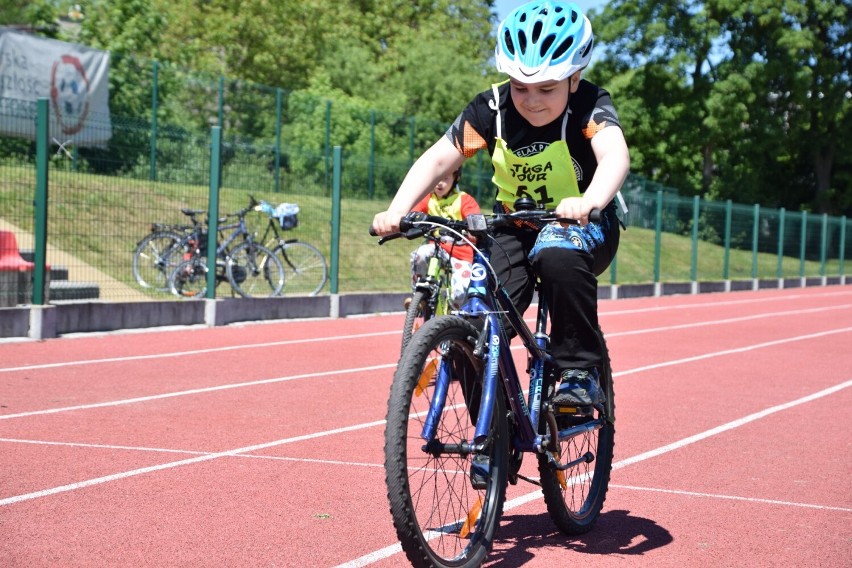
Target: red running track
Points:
(261, 445)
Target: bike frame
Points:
(483, 293)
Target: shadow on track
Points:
(616, 532)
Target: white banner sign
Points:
(75, 79)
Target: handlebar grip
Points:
(595, 215)
(373, 232)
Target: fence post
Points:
(327, 149)
(335, 236)
(803, 245)
(755, 234)
(613, 277)
(658, 243)
(371, 167)
(780, 270)
(726, 270)
(822, 247)
(40, 254)
(411, 142)
(155, 74)
(693, 267)
(213, 212)
(842, 252)
(278, 102)
(221, 100)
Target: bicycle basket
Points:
(287, 215)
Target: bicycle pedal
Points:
(479, 474)
(573, 410)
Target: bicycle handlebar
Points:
(416, 225)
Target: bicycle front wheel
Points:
(417, 313)
(305, 267)
(151, 264)
(443, 517)
(253, 270)
(575, 497)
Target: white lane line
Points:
(187, 452)
(509, 504)
(200, 351)
(731, 351)
(392, 365)
(197, 391)
(751, 301)
(102, 446)
(389, 551)
(728, 320)
(188, 461)
(733, 498)
(397, 332)
(367, 465)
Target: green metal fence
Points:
(84, 209)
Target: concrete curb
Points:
(44, 322)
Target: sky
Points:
(503, 7)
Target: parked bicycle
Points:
(153, 258)
(305, 266)
(249, 267)
(458, 423)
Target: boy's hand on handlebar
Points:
(575, 208)
(386, 223)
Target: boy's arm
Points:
(436, 162)
(613, 158)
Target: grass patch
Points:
(100, 219)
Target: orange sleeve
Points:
(469, 205)
(467, 140)
(423, 205)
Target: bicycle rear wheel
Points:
(151, 260)
(189, 279)
(440, 518)
(305, 267)
(253, 270)
(575, 497)
(418, 312)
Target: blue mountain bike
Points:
(459, 422)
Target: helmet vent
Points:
(536, 32)
(545, 45)
(522, 40)
(563, 47)
(507, 41)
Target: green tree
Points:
(730, 99)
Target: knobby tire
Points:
(576, 496)
(419, 311)
(440, 519)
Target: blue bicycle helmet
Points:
(544, 41)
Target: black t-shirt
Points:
(591, 110)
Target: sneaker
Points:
(479, 467)
(579, 388)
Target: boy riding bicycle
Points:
(556, 138)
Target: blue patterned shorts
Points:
(574, 237)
